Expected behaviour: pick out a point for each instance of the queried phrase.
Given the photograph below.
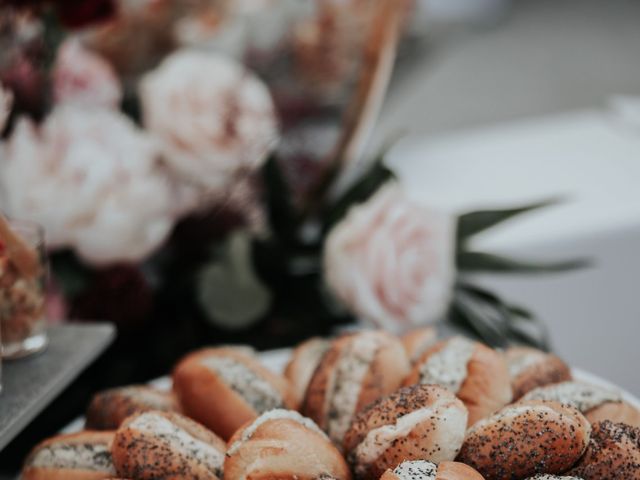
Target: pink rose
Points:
(92, 179)
(83, 77)
(214, 119)
(391, 260)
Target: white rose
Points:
(83, 77)
(90, 177)
(214, 119)
(391, 260)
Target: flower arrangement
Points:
(189, 172)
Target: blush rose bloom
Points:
(214, 119)
(91, 178)
(391, 260)
(83, 77)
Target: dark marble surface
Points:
(30, 384)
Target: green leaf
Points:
(472, 223)
(283, 216)
(72, 276)
(496, 321)
(488, 262)
(359, 192)
(481, 318)
(229, 291)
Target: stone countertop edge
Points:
(30, 384)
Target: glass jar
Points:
(22, 298)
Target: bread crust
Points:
(283, 449)
(196, 386)
(78, 438)
(525, 439)
(487, 386)
(446, 471)
(384, 374)
(613, 453)
(418, 341)
(595, 402)
(547, 369)
(431, 438)
(146, 456)
(304, 360)
(109, 408)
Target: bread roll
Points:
(77, 456)
(531, 368)
(109, 408)
(418, 341)
(282, 444)
(304, 360)
(553, 477)
(525, 439)
(613, 453)
(424, 470)
(421, 422)
(354, 372)
(154, 444)
(223, 388)
(476, 374)
(595, 402)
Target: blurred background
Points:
(214, 226)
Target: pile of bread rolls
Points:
(366, 405)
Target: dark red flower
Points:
(119, 294)
(75, 13)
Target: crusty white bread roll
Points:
(475, 373)
(531, 368)
(613, 453)
(109, 408)
(421, 422)
(304, 360)
(223, 388)
(553, 477)
(355, 371)
(418, 341)
(425, 470)
(155, 444)
(525, 439)
(282, 444)
(595, 402)
(77, 456)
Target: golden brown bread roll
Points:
(282, 444)
(304, 360)
(223, 388)
(424, 470)
(613, 453)
(595, 402)
(355, 371)
(418, 341)
(109, 408)
(77, 456)
(154, 444)
(421, 422)
(531, 368)
(525, 439)
(476, 374)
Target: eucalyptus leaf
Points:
(359, 192)
(229, 291)
(472, 223)
(487, 262)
